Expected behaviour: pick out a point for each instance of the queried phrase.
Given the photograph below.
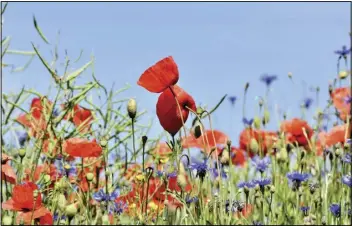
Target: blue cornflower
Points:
(307, 102)
(232, 99)
(189, 199)
(258, 223)
(56, 112)
(243, 184)
(335, 209)
(169, 175)
(261, 164)
(343, 52)
(56, 217)
(247, 122)
(348, 99)
(268, 79)
(297, 178)
(22, 137)
(200, 167)
(305, 210)
(349, 141)
(118, 207)
(101, 196)
(262, 182)
(346, 158)
(347, 179)
(216, 173)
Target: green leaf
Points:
(76, 73)
(19, 52)
(40, 31)
(216, 107)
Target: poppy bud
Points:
(181, 181)
(107, 172)
(330, 89)
(90, 177)
(22, 153)
(246, 87)
(228, 143)
(284, 116)
(67, 166)
(266, 117)
(103, 143)
(272, 189)
(7, 220)
(199, 110)
(197, 130)
(47, 179)
(225, 156)
(105, 219)
(254, 146)
(144, 140)
(256, 122)
(71, 210)
(261, 103)
(323, 220)
(140, 177)
(132, 108)
(289, 75)
(338, 152)
(343, 74)
(35, 193)
(61, 202)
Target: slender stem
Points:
(133, 141)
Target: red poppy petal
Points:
(9, 205)
(27, 216)
(160, 76)
(47, 219)
(8, 174)
(78, 147)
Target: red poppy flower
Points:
(79, 147)
(25, 204)
(81, 117)
(7, 173)
(168, 111)
(47, 219)
(238, 156)
(339, 97)
(265, 139)
(43, 169)
(294, 130)
(337, 134)
(35, 120)
(202, 142)
(160, 76)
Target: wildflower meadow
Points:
(68, 159)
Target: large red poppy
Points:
(265, 139)
(339, 97)
(336, 135)
(79, 147)
(294, 131)
(81, 117)
(168, 112)
(7, 173)
(25, 204)
(160, 76)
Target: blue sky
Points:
(217, 46)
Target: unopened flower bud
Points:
(181, 181)
(343, 74)
(107, 172)
(47, 179)
(266, 117)
(71, 210)
(254, 146)
(61, 202)
(256, 122)
(338, 152)
(35, 193)
(228, 143)
(7, 220)
(103, 143)
(144, 140)
(246, 87)
(289, 75)
(105, 219)
(132, 108)
(225, 156)
(90, 177)
(272, 189)
(22, 152)
(330, 89)
(197, 130)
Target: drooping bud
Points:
(61, 202)
(71, 210)
(289, 75)
(225, 156)
(256, 122)
(197, 129)
(272, 189)
(132, 108)
(90, 177)
(246, 87)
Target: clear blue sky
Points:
(217, 46)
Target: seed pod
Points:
(254, 146)
(266, 117)
(61, 202)
(71, 210)
(256, 122)
(132, 108)
(22, 152)
(90, 177)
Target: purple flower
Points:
(348, 99)
(347, 179)
(118, 207)
(262, 182)
(247, 122)
(297, 178)
(268, 79)
(22, 137)
(189, 199)
(261, 164)
(335, 209)
(232, 99)
(305, 210)
(346, 158)
(243, 184)
(307, 102)
(343, 52)
(216, 173)
(200, 167)
(258, 223)
(101, 196)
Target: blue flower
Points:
(189, 199)
(305, 210)
(118, 207)
(101, 196)
(297, 178)
(258, 223)
(268, 79)
(343, 52)
(232, 99)
(307, 102)
(216, 173)
(349, 141)
(335, 209)
(56, 217)
(200, 167)
(261, 164)
(169, 175)
(346, 158)
(243, 184)
(348, 99)
(262, 182)
(347, 179)
(22, 137)
(247, 122)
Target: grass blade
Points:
(76, 73)
(53, 74)
(40, 31)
